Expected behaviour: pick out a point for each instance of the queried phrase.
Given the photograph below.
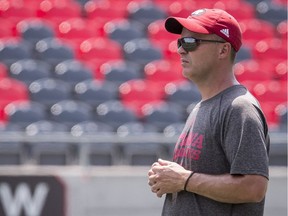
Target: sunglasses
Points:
(190, 44)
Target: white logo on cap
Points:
(225, 32)
(198, 12)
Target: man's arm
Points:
(168, 177)
(229, 188)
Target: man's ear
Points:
(225, 50)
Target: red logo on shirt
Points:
(189, 146)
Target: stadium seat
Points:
(145, 12)
(25, 113)
(49, 91)
(162, 114)
(158, 35)
(254, 30)
(95, 92)
(12, 50)
(33, 30)
(241, 10)
(182, 8)
(74, 31)
(15, 10)
(139, 153)
(141, 51)
(53, 51)
(91, 128)
(47, 152)
(114, 113)
(12, 153)
(183, 93)
(99, 49)
(120, 71)
(123, 30)
(51, 154)
(72, 72)
(29, 70)
(163, 71)
(105, 9)
(271, 12)
(272, 49)
(252, 70)
(45, 127)
(70, 112)
(90, 153)
(7, 28)
(12, 90)
(135, 93)
(273, 91)
(58, 11)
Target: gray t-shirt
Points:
(225, 134)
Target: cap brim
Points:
(175, 25)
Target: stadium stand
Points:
(102, 67)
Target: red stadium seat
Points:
(75, 31)
(103, 9)
(159, 36)
(254, 30)
(272, 49)
(271, 91)
(7, 28)
(99, 49)
(171, 52)
(58, 11)
(15, 10)
(12, 90)
(251, 70)
(183, 8)
(163, 71)
(136, 93)
(239, 9)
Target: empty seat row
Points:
(66, 152)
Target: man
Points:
(220, 163)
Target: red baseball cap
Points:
(208, 21)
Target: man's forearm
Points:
(229, 188)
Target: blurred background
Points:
(91, 94)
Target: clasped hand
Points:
(166, 177)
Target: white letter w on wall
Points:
(23, 198)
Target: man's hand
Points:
(167, 177)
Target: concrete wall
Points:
(119, 191)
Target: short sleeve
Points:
(244, 139)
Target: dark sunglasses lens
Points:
(188, 44)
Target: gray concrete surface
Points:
(123, 191)
(119, 193)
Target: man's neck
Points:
(213, 86)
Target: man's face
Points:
(197, 64)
